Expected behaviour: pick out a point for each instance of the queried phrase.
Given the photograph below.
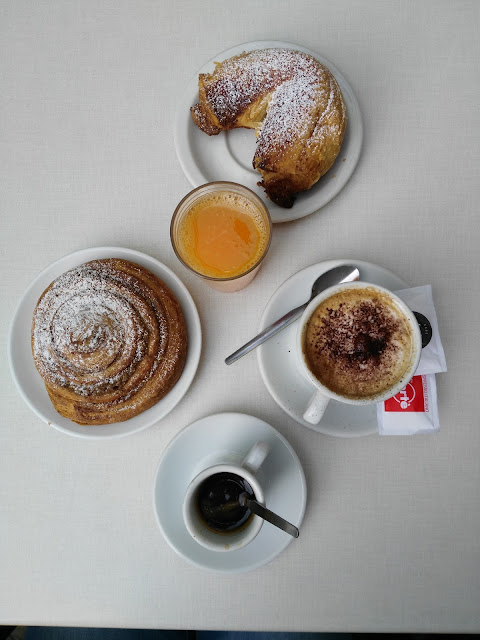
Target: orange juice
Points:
(222, 235)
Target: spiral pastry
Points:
(109, 340)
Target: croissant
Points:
(292, 101)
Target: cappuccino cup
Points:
(357, 343)
(212, 511)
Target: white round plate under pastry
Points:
(229, 437)
(229, 155)
(31, 385)
(277, 358)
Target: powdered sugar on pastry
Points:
(292, 101)
(109, 340)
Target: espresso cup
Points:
(224, 525)
(351, 345)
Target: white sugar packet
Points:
(415, 408)
(433, 357)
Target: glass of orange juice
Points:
(221, 231)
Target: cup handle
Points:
(315, 410)
(255, 457)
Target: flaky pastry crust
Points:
(295, 106)
(109, 340)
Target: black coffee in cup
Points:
(218, 502)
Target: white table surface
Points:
(391, 537)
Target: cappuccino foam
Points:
(358, 343)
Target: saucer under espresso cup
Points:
(221, 231)
(228, 437)
(387, 388)
(213, 526)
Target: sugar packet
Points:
(414, 409)
(420, 299)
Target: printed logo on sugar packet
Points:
(412, 398)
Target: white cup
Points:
(320, 399)
(232, 540)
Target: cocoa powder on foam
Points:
(358, 343)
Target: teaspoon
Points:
(337, 275)
(268, 515)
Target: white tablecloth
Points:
(390, 541)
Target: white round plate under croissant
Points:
(229, 155)
(31, 385)
(277, 358)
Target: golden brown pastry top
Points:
(292, 101)
(109, 340)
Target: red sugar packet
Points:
(412, 410)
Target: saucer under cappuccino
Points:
(358, 343)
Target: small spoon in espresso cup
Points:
(266, 514)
